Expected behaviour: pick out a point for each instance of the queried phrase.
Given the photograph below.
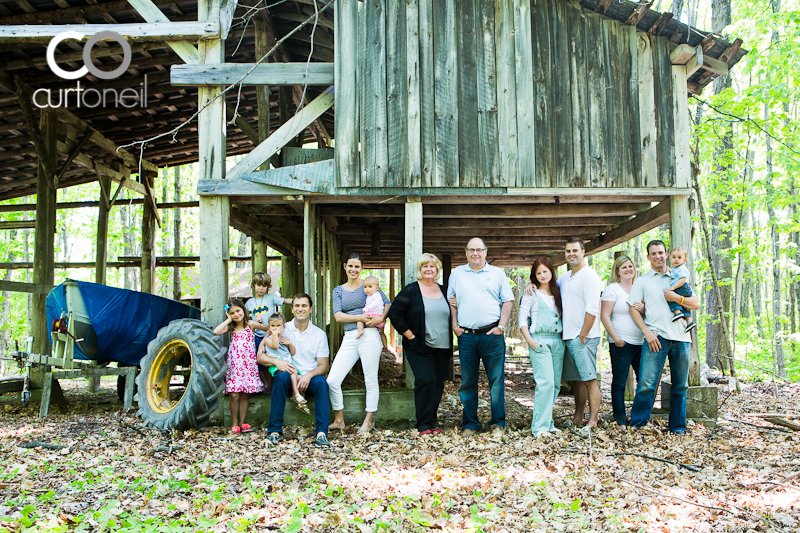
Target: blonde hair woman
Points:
(625, 339)
(421, 314)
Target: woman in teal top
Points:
(540, 325)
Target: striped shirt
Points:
(351, 303)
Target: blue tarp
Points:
(124, 321)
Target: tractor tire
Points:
(121, 387)
(192, 345)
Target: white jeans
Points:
(368, 348)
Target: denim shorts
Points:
(580, 360)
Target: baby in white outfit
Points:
(373, 307)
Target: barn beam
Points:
(263, 74)
(163, 31)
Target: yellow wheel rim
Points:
(160, 375)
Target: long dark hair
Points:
(236, 302)
(553, 285)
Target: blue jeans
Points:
(318, 388)
(683, 290)
(621, 360)
(491, 349)
(649, 377)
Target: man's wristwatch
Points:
(502, 328)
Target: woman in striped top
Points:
(347, 304)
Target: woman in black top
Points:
(422, 315)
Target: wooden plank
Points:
(659, 25)
(291, 155)
(375, 142)
(414, 117)
(308, 246)
(662, 94)
(446, 94)
(469, 145)
(647, 112)
(308, 177)
(488, 138)
(683, 129)
(682, 54)
(283, 135)
(543, 95)
(629, 147)
(638, 13)
(263, 74)
(560, 97)
(645, 221)
(614, 107)
(17, 224)
(88, 162)
(427, 95)
(151, 13)
(348, 172)
(596, 71)
(396, 94)
(30, 288)
(579, 91)
(680, 226)
(506, 92)
(502, 210)
(412, 252)
(523, 42)
(172, 31)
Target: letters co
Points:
(90, 97)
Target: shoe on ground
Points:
(677, 317)
(321, 441)
(469, 432)
(426, 433)
(236, 430)
(498, 430)
(274, 438)
(585, 431)
(689, 327)
(246, 428)
(437, 431)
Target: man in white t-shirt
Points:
(580, 298)
(311, 360)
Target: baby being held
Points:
(679, 284)
(373, 307)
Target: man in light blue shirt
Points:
(480, 299)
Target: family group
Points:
(647, 319)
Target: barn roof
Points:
(168, 106)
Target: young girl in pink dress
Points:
(242, 377)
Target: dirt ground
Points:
(107, 472)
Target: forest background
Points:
(746, 160)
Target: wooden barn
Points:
(521, 121)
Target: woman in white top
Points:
(541, 326)
(624, 338)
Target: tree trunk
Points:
(176, 228)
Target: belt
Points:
(484, 329)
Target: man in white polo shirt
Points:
(664, 339)
(311, 357)
(580, 298)
(483, 301)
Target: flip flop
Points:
(246, 428)
(236, 430)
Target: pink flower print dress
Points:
(242, 373)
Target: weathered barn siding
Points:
(500, 93)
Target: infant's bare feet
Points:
(360, 332)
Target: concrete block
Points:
(701, 402)
(395, 410)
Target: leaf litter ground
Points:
(116, 475)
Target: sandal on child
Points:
(298, 399)
(236, 430)
(303, 407)
(246, 428)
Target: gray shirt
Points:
(437, 316)
(649, 288)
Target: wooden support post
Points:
(680, 225)
(262, 91)
(258, 251)
(323, 271)
(148, 270)
(309, 232)
(101, 256)
(288, 286)
(214, 210)
(413, 249)
(44, 240)
(319, 313)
